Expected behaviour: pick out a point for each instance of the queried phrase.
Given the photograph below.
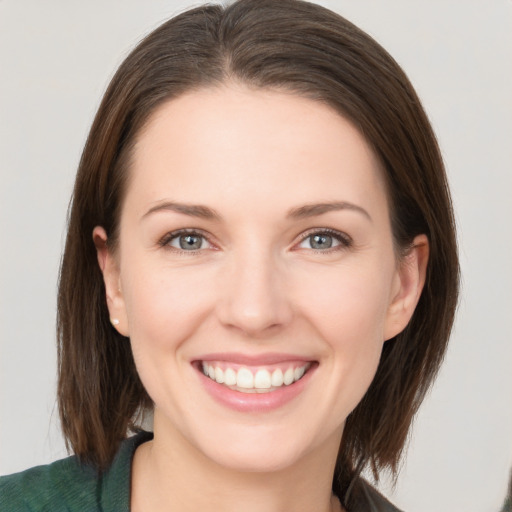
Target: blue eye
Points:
(321, 241)
(189, 242)
(186, 241)
(324, 240)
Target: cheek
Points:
(349, 316)
(164, 305)
(350, 304)
(165, 308)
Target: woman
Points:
(261, 253)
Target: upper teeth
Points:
(244, 379)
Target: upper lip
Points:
(253, 359)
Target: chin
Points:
(260, 449)
(255, 458)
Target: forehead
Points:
(222, 143)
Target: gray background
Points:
(56, 58)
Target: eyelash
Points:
(345, 242)
(166, 239)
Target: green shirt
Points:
(68, 486)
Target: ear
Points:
(407, 287)
(111, 277)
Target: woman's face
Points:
(255, 246)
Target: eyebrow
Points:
(312, 210)
(300, 212)
(193, 210)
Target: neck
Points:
(170, 474)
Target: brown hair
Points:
(310, 51)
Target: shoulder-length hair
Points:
(286, 45)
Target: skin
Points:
(256, 285)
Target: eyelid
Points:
(344, 239)
(171, 235)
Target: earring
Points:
(114, 321)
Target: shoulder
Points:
(68, 486)
(368, 499)
(63, 485)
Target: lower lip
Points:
(255, 402)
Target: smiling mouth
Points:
(254, 380)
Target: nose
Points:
(254, 298)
